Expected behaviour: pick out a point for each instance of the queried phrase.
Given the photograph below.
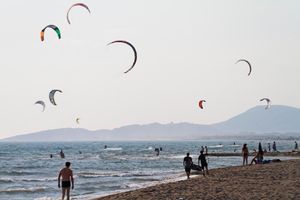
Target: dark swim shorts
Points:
(65, 184)
(204, 164)
(187, 169)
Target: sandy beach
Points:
(269, 181)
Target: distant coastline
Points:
(276, 123)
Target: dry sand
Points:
(269, 181)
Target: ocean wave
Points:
(114, 149)
(46, 198)
(38, 179)
(114, 174)
(96, 174)
(23, 190)
(132, 186)
(144, 179)
(16, 173)
(216, 146)
(6, 180)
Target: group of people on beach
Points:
(259, 156)
(189, 165)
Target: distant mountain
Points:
(277, 119)
(255, 121)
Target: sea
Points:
(28, 172)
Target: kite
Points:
(243, 60)
(268, 102)
(76, 4)
(200, 103)
(134, 51)
(55, 28)
(51, 96)
(41, 103)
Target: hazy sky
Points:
(186, 52)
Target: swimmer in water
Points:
(62, 155)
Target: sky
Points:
(186, 52)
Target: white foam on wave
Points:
(38, 179)
(234, 145)
(27, 190)
(6, 180)
(46, 198)
(114, 149)
(181, 156)
(216, 146)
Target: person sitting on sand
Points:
(258, 158)
(187, 163)
(67, 178)
(202, 159)
(245, 154)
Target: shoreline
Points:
(270, 154)
(280, 180)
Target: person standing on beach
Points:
(206, 150)
(274, 146)
(67, 178)
(296, 145)
(269, 146)
(187, 163)
(202, 148)
(203, 161)
(245, 153)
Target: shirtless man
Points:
(67, 178)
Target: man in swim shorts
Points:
(67, 178)
(202, 160)
(187, 163)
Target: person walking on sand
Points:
(203, 161)
(67, 180)
(245, 153)
(187, 163)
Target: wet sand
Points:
(269, 181)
